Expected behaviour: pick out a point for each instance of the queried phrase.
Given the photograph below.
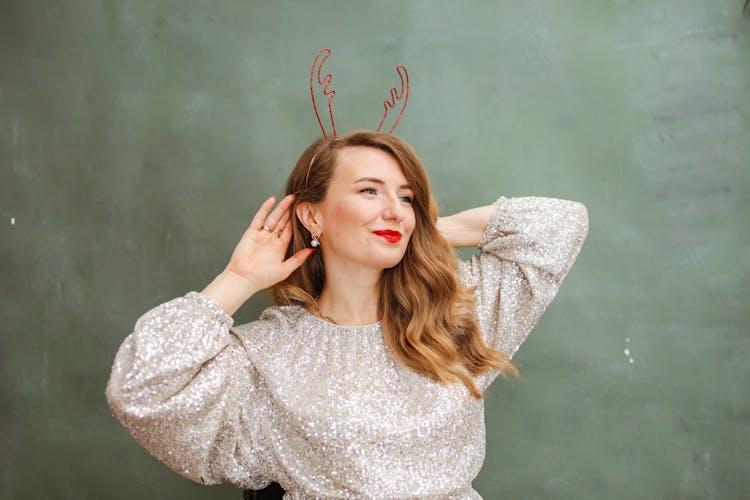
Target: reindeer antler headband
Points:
(395, 97)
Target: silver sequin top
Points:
(326, 410)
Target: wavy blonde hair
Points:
(428, 319)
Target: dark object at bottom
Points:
(273, 491)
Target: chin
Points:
(376, 257)
(385, 263)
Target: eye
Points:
(407, 199)
(369, 190)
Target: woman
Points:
(366, 380)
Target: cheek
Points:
(410, 222)
(342, 218)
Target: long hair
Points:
(428, 319)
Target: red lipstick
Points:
(390, 236)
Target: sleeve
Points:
(526, 250)
(183, 386)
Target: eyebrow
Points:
(378, 181)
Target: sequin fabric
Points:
(326, 410)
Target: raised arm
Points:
(183, 382)
(528, 246)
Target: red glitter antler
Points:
(324, 82)
(402, 96)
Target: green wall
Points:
(137, 138)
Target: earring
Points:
(314, 243)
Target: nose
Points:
(393, 209)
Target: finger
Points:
(296, 260)
(274, 218)
(284, 219)
(286, 234)
(262, 213)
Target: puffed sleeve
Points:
(526, 250)
(183, 386)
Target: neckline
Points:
(334, 325)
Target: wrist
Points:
(448, 229)
(229, 290)
(238, 281)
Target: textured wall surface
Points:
(137, 139)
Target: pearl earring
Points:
(314, 243)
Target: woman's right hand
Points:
(259, 256)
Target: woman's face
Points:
(367, 216)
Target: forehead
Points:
(355, 162)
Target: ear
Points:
(310, 217)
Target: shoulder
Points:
(272, 322)
(285, 314)
(273, 342)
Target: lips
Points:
(388, 235)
